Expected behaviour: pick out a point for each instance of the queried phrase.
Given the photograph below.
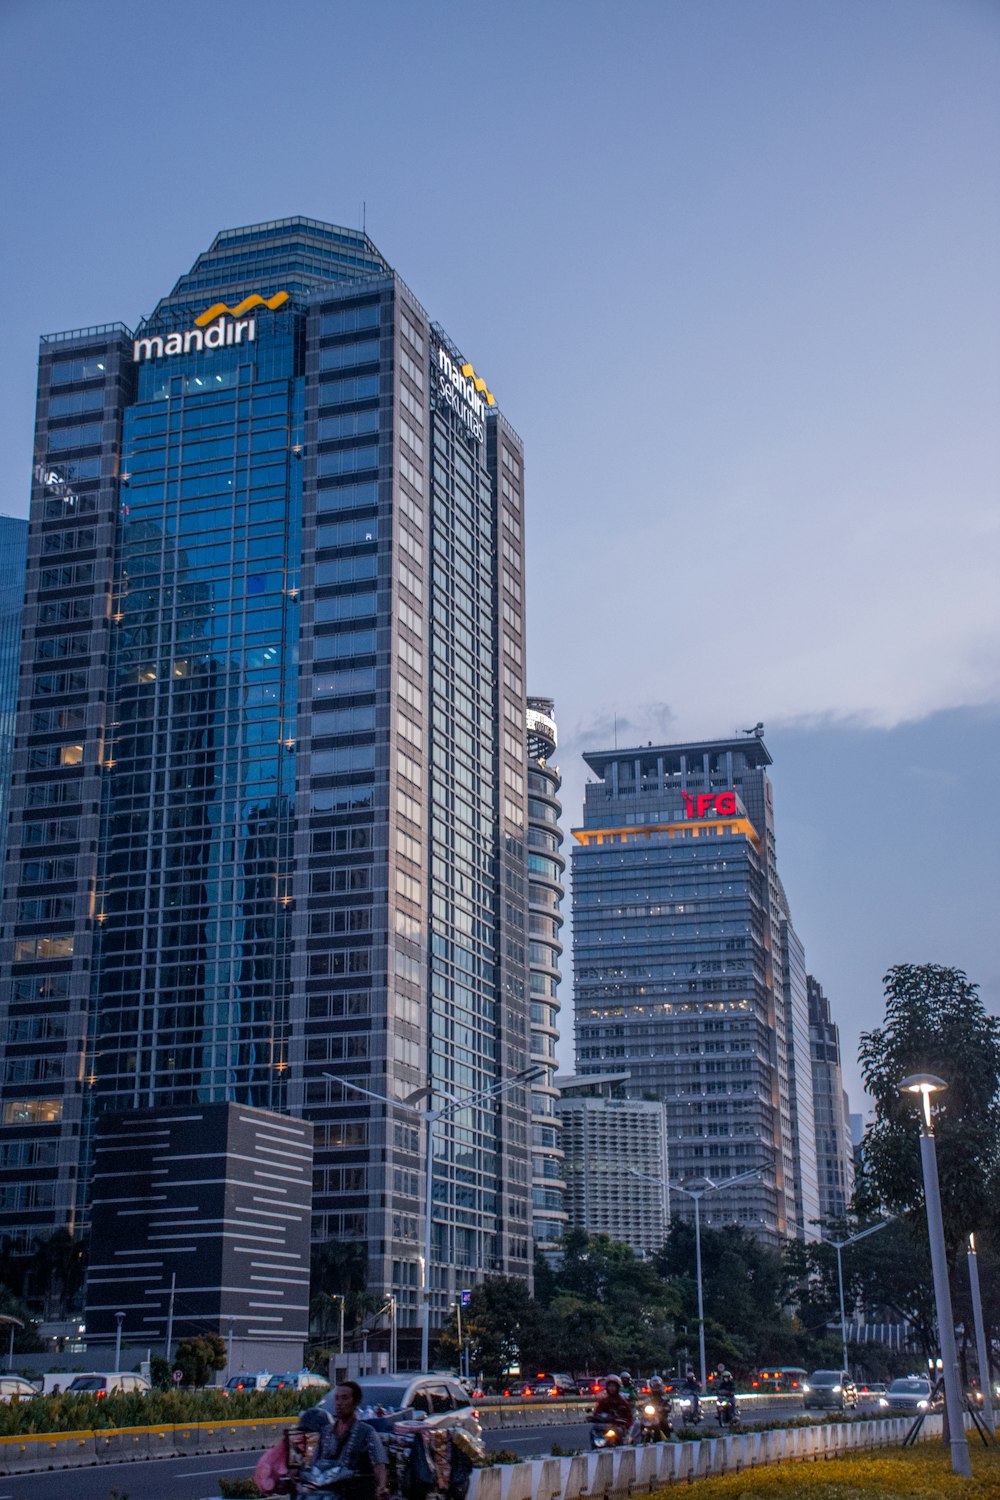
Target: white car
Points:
(100, 1384)
(12, 1386)
(301, 1380)
(439, 1400)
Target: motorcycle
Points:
(689, 1406)
(607, 1434)
(725, 1409)
(654, 1422)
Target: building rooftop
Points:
(750, 745)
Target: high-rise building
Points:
(615, 1161)
(834, 1135)
(545, 892)
(269, 779)
(13, 558)
(689, 974)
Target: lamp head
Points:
(924, 1084)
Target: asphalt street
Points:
(195, 1478)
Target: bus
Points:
(781, 1379)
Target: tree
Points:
(747, 1288)
(338, 1268)
(495, 1324)
(26, 1340)
(934, 1023)
(198, 1358)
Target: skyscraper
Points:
(13, 557)
(545, 892)
(269, 781)
(834, 1144)
(689, 974)
(615, 1161)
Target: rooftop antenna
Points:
(364, 216)
(616, 731)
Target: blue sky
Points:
(730, 268)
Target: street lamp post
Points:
(430, 1118)
(982, 1353)
(925, 1084)
(119, 1319)
(839, 1245)
(696, 1193)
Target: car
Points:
(246, 1382)
(910, 1395)
(438, 1400)
(870, 1391)
(300, 1380)
(554, 1385)
(16, 1388)
(829, 1390)
(100, 1384)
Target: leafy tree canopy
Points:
(934, 1023)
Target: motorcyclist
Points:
(725, 1388)
(628, 1389)
(655, 1412)
(692, 1389)
(612, 1407)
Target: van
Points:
(303, 1380)
(246, 1382)
(99, 1384)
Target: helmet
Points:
(316, 1419)
(616, 1378)
(626, 1378)
(656, 1384)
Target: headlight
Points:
(807, 1388)
(882, 1401)
(922, 1405)
(611, 1433)
(649, 1411)
(837, 1390)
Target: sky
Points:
(729, 267)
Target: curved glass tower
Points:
(545, 892)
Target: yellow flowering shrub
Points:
(920, 1473)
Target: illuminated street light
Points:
(925, 1084)
(430, 1117)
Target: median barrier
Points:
(645, 1475)
(515, 1481)
(624, 1472)
(576, 1477)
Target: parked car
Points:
(99, 1384)
(303, 1380)
(439, 1399)
(829, 1390)
(909, 1396)
(12, 1386)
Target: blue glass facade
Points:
(13, 560)
(296, 846)
(688, 972)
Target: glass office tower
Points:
(269, 777)
(13, 557)
(688, 972)
(546, 864)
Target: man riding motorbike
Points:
(612, 1414)
(690, 1393)
(725, 1395)
(654, 1414)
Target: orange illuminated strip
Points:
(717, 826)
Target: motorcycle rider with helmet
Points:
(692, 1390)
(725, 1394)
(654, 1414)
(612, 1409)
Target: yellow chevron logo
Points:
(480, 385)
(218, 308)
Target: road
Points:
(196, 1478)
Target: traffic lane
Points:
(189, 1478)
